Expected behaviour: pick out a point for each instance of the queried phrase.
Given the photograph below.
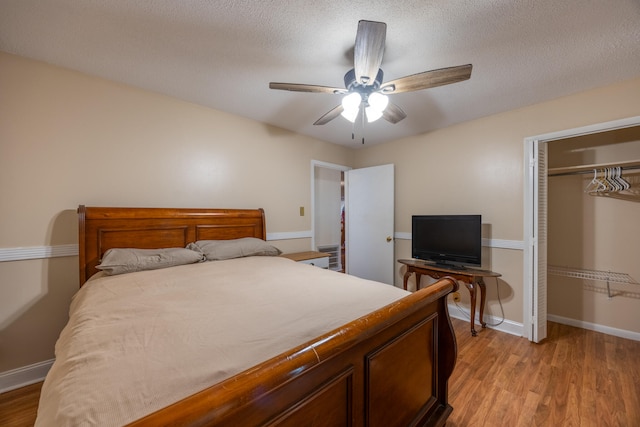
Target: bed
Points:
(307, 346)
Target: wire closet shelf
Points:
(599, 275)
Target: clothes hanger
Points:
(605, 181)
(614, 186)
(616, 172)
(595, 185)
(625, 184)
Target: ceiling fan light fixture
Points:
(351, 106)
(372, 115)
(378, 101)
(377, 104)
(364, 87)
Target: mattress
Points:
(138, 342)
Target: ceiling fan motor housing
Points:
(351, 83)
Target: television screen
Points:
(448, 240)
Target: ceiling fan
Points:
(365, 92)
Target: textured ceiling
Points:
(224, 53)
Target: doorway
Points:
(353, 214)
(328, 208)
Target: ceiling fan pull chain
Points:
(363, 108)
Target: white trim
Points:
(40, 252)
(402, 236)
(24, 376)
(504, 244)
(491, 243)
(508, 326)
(286, 235)
(37, 252)
(330, 165)
(587, 130)
(622, 333)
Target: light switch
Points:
(301, 210)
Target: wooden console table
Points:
(472, 279)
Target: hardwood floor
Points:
(18, 408)
(575, 378)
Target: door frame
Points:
(533, 285)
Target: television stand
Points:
(472, 279)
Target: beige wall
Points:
(595, 233)
(68, 139)
(478, 167)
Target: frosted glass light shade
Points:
(372, 114)
(377, 103)
(351, 106)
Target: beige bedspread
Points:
(138, 342)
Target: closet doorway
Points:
(328, 212)
(536, 218)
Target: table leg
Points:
(418, 277)
(483, 297)
(406, 277)
(472, 294)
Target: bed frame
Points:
(388, 368)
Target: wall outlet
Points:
(456, 296)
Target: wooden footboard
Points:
(389, 368)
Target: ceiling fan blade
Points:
(330, 115)
(368, 50)
(428, 79)
(393, 113)
(295, 87)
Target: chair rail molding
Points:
(37, 252)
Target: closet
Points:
(593, 240)
(328, 214)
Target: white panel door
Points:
(370, 222)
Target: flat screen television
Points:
(452, 241)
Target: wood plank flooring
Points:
(575, 378)
(18, 408)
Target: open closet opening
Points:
(583, 233)
(329, 213)
(593, 238)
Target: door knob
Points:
(389, 238)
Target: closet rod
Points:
(585, 169)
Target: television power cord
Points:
(468, 315)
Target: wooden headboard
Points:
(101, 229)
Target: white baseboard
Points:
(622, 333)
(20, 377)
(508, 326)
